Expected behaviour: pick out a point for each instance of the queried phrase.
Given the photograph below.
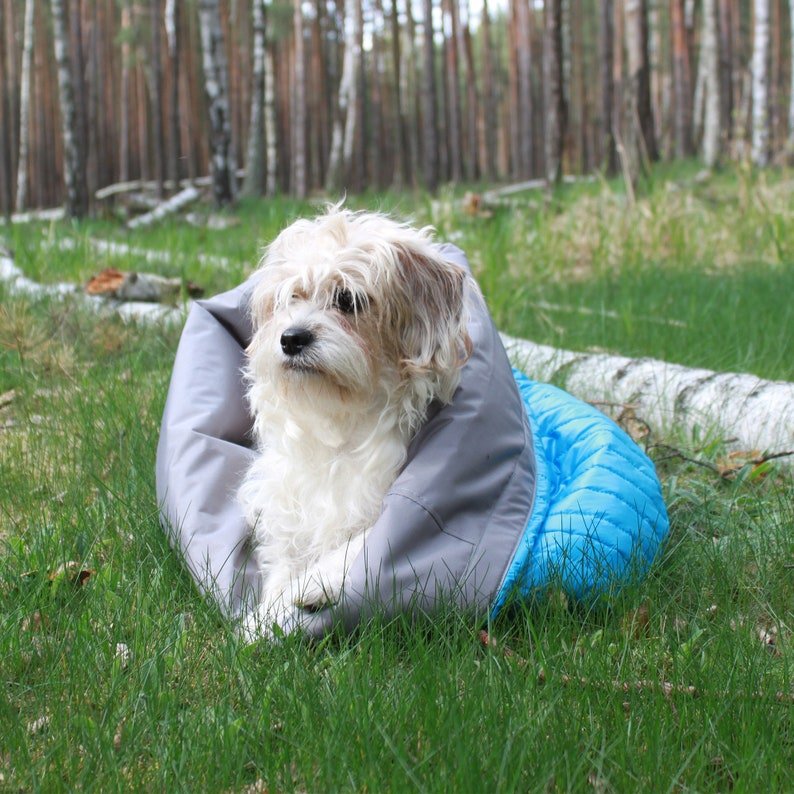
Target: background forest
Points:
(279, 97)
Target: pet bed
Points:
(512, 487)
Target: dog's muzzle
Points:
(295, 340)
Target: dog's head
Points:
(355, 311)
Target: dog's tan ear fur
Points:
(430, 318)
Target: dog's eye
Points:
(346, 302)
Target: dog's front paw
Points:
(318, 588)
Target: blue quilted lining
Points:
(598, 517)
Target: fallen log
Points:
(174, 204)
(133, 286)
(748, 411)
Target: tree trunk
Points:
(760, 145)
(124, 123)
(639, 118)
(272, 160)
(24, 108)
(524, 81)
(455, 131)
(606, 46)
(6, 197)
(216, 87)
(253, 184)
(399, 176)
(682, 92)
(412, 99)
(472, 164)
(790, 144)
(173, 37)
(709, 55)
(74, 164)
(430, 119)
(155, 89)
(490, 111)
(754, 413)
(344, 132)
(727, 10)
(299, 107)
(553, 106)
(378, 146)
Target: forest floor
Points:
(117, 675)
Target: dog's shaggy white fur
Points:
(359, 324)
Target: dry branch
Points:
(174, 204)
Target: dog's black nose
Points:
(294, 340)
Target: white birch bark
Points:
(174, 204)
(24, 108)
(299, 107)
(73, 165)
(753, 412)
(270, 123)
(255, 150)
(344, 129)
(760, 144)
(710, 59)
(216, 87)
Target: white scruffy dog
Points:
(359, 324)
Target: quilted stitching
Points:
(600, 517)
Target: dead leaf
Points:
(637, 622)
(106, 282)
(72, 572)
(39, 725)
(117, 736)
(634, 425)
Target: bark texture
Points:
(216, 87)
(254, 182)
(760, 144)
(24, 107)
(554, 104)
(710, 58)
(430, 121)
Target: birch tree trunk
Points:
(755, 413)
(760, 144)
(24, 107)
(6, 114)
(172, 33)
(216, 87)
(155, 88)
(270, 123)
(378, 148)
(124, 109)
(399, 173)
(430, 118)
(710, 58)
(344, 131)
(554, 107)
(299, 107)
(255, 149)
(76, 203)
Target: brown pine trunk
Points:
(554, 104)
(430, 120)
(577, 114)
(173, 39)
(726, 10)
(412, 98)
(489, 103)
(606, 47)
(378, 146)
(472, 164)
(155, 90)
(399, 176)
(6, 197)
(514, 104)
(454, 121)
(682, 91)
(524, 81)
(124, 130)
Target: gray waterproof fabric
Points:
(450, 524)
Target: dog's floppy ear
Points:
(430, 318)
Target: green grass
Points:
(399, 706)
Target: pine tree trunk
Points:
(455, 136)
(606, 42)
(553, 106)
(216, 87)
(253, 184)
(524, 80)
(489, 103)
(124, 110)
(638, 122)
(73, 166)
(430, 119)
(644, 104)
(790, 143)
(710, 58)
(24, 107)
(6, 197)
(173, 38)
(378, 145)
(399, 176)
(760, 144)
(682, 92)
(472, 164)
(727, 9)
